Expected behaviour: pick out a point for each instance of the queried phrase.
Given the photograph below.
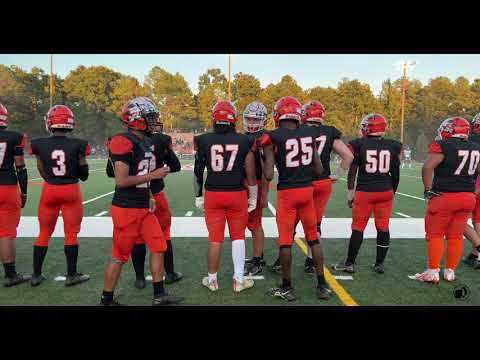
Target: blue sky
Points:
(309, 70)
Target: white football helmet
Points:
(254, 117)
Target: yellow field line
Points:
(343, 295)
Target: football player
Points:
(254, 117)
(448, 176)
(328, 139)
(377, 162)
(162, 154)
(473, 233)
(61, 161)
(133, 204)
(228, 157)
(12, 175)
(293, 149)
(407, 157)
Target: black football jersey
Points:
(258, 154)
(325, 136)
(11, 145)
(134, 152)
(474, 138)
(224, 157)
(162, 154)
(457, 172)
(376, 157)
(294, 151)
(60, 156)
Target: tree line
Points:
(97, 93)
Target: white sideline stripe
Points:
(60, 278)
(403, 215)
(410, 196)
(189, 213)
(90, 171)
(194, 227)
(272, 209)
(98, 197)
(254, 277)
(102, 213)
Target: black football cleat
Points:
(17, 279)
(343, 267)
(250, 261)
(140, 283)
(285, 293)
(165, 299)
(173, 277)
(472, 262)
(253, 269)
(76, 279)
(309, 269)
(379, 268)
(37, 280)
(111, 303)
(323, 292)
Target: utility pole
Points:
(405, 66)
(51, 80)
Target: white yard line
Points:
(102, 213)
(403, 215)
(272, 209)
(189, 213)
(410, 196)
(98, 197)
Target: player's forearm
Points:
(173, 162)
(427, 177)
(22, 177)
(130, 181)
(352, 174)
(395, 174)
(198, 170)
(345, 154)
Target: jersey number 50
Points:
(377, 161)
(217, 154)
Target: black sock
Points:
(286, 283)
(107, 297)
(383, 242)
(354, 246)
(139, 253)
(308, 261)
(39, 253)
(256, 260)
(168, 258)
(9, 270)
(71, 253)
(158, 288)
(472, 256)
(321, 280)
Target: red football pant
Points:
(322, 189)
(293, 204)
(226, 207)
(476, 211)
(163, 214)
(364, 203)
(447, 216)
(54, 198)
(135, 226)
(255, 217)
(10, 209)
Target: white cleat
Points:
(430, 276)
(240, 286)
(449, 275)
(211, 285)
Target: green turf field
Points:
(406, 257)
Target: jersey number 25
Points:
(295, 147)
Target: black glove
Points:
(429, 194)
(24, 199)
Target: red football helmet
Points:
(454, 127)
(313, 111)
(3, 116)
(59, 117)
(373, 124)
(287, 108)
(224, 112)
(476, 124)
(140, 113)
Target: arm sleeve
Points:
(199, 167)
(22, 177)
(352, 146)
(22, 141)
(171, 159)
(395, 172)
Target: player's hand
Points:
(153, 205)
(199, 202)
(160, 173)
(350, 203)
(350, 197)
(23, 198)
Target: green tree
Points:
(212, 88)
(421, 147)
(245, 89)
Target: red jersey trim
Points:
(120, 145)
(434, 148)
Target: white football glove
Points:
(199, 202)
(252, 197)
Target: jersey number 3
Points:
(217, 154)
(60, 169)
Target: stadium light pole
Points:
(229, 76)
(51, 80)
(405, 67)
